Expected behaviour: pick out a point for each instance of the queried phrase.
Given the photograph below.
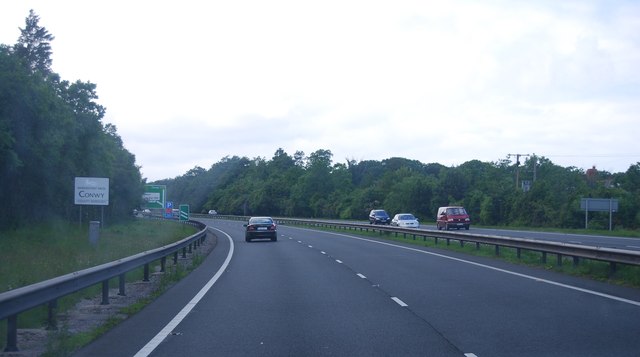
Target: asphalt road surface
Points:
(329, 294)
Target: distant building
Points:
(592, 173)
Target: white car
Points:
(212, 211)
(405, 220)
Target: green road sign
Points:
(184, 212)
(154, 196)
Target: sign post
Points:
(598, 205)
(92, 191)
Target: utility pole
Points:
(517, 165)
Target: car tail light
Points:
(251, 228)
(272, 227)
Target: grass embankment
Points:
(625, 275)
(38, 253)
(43, 252)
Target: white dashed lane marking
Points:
(399, 302)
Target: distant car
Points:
(212, 212)
(379, 216)
(405, 220)
(452, 217)
(261, 227)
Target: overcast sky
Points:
(189, 82)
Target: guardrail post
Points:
(559, 261)
(146, 272)
(12, 334)
(105, 292)
(190, 247)
(163, 263)
(448, 241)
(613, 267)
(544, 257)
(497, 250)
(121, 285)
(436, 240)
(52, 321)
(461, 243)
(518, 252)
(175, 257)
(184, 252)
(576, 261)
(477, 245)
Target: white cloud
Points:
(191, 82)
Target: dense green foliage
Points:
(51, 131)
(314, 186)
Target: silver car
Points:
(405, 220)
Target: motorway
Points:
(318, 293)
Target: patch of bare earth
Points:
(89, 314)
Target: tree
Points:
(34, 45)
(51, 132)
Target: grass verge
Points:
(64, 343)
(42, 252)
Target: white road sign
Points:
(92, 191)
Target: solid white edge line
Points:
(157, 339)
(540, 280)
(399, 302)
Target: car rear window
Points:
(260, 220)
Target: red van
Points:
(452, 217)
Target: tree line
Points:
(51, 131)
(315, 186)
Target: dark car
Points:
(379, 216)
(261, 227)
